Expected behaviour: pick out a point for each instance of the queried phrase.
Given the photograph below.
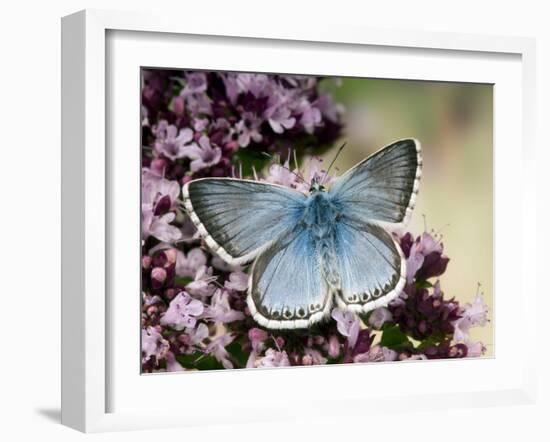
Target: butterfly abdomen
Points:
(321, 218)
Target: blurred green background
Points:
(454, 123)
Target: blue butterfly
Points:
(312, 252)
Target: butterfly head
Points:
(316, 186)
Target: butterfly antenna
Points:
(333, 161)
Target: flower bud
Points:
(333, 346)
(163, 205)
(171, 256)
(146, 261)
(158, 276)
(257, 335)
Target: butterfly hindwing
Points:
(383, 187)
(286, 289)
(370, 264)
(239, 218)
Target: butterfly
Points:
(311, 252)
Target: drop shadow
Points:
(51, 414)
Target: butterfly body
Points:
(313, 251)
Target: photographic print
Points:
(297, 220)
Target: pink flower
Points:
(273, 358)
(153, 344)
(187, 265)
(238, 281)
(347, 324)
(182, 312)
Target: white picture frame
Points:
(91, 320)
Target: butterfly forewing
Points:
(239, 218)
(382, 187)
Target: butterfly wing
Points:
(370, 264)
(286, 288)
(383, 187)
(240, 218)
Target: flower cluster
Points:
(193, 310)
(197, 124)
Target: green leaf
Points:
(238, 356)
(423, 284)
(199, 361)
(181, 280)
(394, 338)
(431, 340)
(250, 159)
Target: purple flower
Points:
(217, 348)
(188, 264)
(423, 314)
(153, 344)
(198, 104)
(475, 349)
(200, 286)
(333, 346)
(347, 324)
(278, 113)
(310, 115)
(203, 155)
(157, 191)
(379, 317)
(313, 357)
(473, 315)
(219, 309)
(281, 174)
(257, 338)
(158, 276)
(182, 312)
(248, 129)
(238, 281)
(169, 142)
(195, 83)
(172, 364)
(159, 227)
(424, 257)
(197, 335)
